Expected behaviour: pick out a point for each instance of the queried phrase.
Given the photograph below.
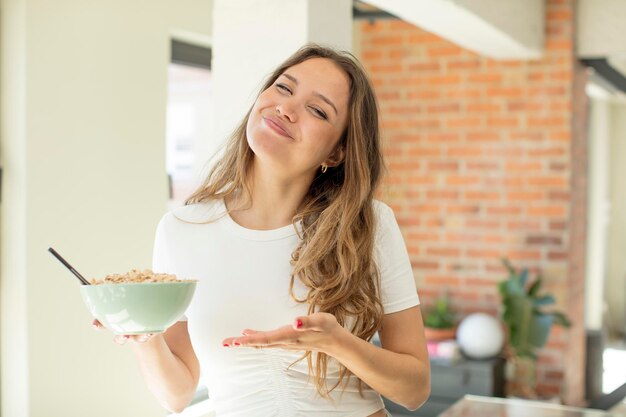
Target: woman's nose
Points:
(287, 110)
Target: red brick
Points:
(422, 180)
(405, 166)
(508, 92)
(463, 209)
(443, 251)
(547, 211)
(482, 195)
(387, 40)
(487, 136)
(465, 151)
(461, 64)
(517, 255)
(483, 107)
(444, 108)
(543, 240)
(546, 121)
(452, 180)
(439, 137)
(443, 80)
(527, 136)
(516, 166)
(558, 226)
(504, 210)
(425, 66)
(445, 165)
(482, 224)
(524, 225)
(422, 151)
(442, 195)
(525, 196)
(444, 51)
(425, 265)
(423, 236)
(424, 95)
(485, 77)
(484, 253)
(508, 122)
(442, 280)
(482, 166)
(547, 181)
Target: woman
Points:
(298, 265)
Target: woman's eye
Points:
(283, 87)
(320, 113)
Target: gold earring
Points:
(324, 168)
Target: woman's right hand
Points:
(120, 339)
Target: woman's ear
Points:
(337, 157)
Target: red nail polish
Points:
(298, 323)
(226, 344)
(237, 344)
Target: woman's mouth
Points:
(276, 127)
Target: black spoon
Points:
(70, 267)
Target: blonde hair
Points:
(334, 259)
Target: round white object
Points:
(480, 336)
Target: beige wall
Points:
(83, 141)
(616, 259)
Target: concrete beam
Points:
(511, 29)
(601, 31)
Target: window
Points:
(189, 118)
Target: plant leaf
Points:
(539, 329)
(561, 319)
(534, 289)
(523, 277)
(544, 300)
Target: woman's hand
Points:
(120, 339)
(316, 332)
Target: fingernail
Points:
(298, 323)
(237, 344)
(226, 345)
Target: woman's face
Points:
(297, 122)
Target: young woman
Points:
(298, 265)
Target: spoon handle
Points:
(68, 266)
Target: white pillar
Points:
(83, 155)
(251, 37)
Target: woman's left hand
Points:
(316, 332)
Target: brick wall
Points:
(480, 155)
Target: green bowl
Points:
(138, 308)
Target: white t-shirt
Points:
(243, 282)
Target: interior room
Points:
(503, 127)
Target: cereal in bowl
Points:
(137, 276)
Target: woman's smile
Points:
(276, 126)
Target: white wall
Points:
(83, 130)
(616, 265)
(598, 214)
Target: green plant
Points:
(440, 316)
(528, 325)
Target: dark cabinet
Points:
(451, 381)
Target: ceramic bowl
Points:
(138, 308)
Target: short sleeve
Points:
(161, 254)
(398, 290)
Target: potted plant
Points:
(440, 321)
(528, 326)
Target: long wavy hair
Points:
(334, 259)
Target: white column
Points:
(83, 155)
(251, 37)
